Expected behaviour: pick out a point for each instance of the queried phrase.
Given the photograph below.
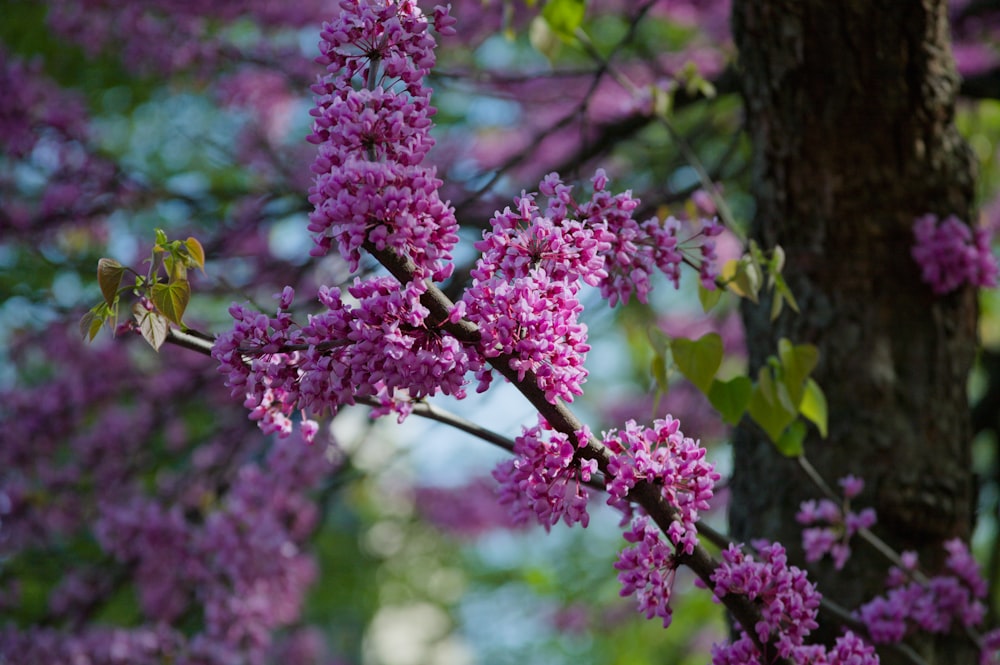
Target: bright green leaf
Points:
(171, 299)
(782, 289)
(777, 263)
(814, 407)
(776, 303)
(699, 359)
(730, 398)
(765, 406)
(196, 252)
(797, 362)
(785, 398)
(109, 278)
(176, 270)
(152, 325)
(790, 442)
(708, 298)
(564, 17)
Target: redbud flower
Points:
(788, 601)
(950, 254)
(647, 570)
(662, 455)
(841, 524)
(544, 481)
(933, 606)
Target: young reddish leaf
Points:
(152, 325)
(109, 278)
(171, 299)
(90, 325)
(730, 398)
(196, 252)
(699, 359)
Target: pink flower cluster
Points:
(544, 480)
(788, 603)
(951, 254)
(169, 500)
(378, 347)
(242, 562)
(258, 370)
(524, 294)
(531, 322)
(933, 606)
(45, 134)
(848, 649)
(647, 569)
(663, 456)
(841, 524)
(381, 346)
(370, 185)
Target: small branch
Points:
(866, 534)
(190, 339)
(682, 145)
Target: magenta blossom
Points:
(951, 254)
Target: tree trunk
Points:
(850, 109)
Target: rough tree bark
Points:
(850, 105)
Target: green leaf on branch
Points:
(658, 368)
(730, 398)
(797, 362)
(813, 406)
(196, 252)
(152, 325)
(171, 299)
(659, 340)
(109, 278)
(564, 17)
(766, 407)
(743, 277)
(176, 270)
(708, 298)
(90, 325)
(699, 359)
(790, 442)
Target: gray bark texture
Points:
(849, 106)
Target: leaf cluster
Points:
(162, 293)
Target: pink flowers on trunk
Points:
(951, 254)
